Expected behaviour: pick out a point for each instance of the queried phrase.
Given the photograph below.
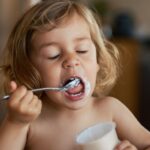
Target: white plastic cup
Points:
(101, 136)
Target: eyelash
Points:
(55, 57)
(82, 52)
(79, 51)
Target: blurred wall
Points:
(10, 11)
(140, 9)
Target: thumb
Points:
(12, 86)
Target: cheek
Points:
(49, 75)
(93, 69)
(51, 78)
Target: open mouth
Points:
(76, 90)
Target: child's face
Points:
(62, 53)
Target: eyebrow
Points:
(47, 44)
(82, 38)
(55, 43)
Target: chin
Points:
(77, 104)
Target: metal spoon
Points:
(73, 83)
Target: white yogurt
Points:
(87, 87)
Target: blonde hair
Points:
(47, 15)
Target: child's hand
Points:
(125, 145)
(23, 105)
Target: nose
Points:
(71, 61)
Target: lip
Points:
(76, 97)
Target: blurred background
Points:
(125, 23)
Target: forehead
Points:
(71, 27)
(75, 23)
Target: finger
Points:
(12, 86)
(130, 148)
(125, 145)
(18, 94)
(121, 145)
(39, 102)
(39, 105)
(27, 104)
(27, 98)
(35, 101)
(35, 105)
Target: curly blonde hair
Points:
(46, 15)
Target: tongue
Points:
(76, 89)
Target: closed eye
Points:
(82, 52)
(54, 57)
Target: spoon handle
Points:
(6, 97)
(71, 84)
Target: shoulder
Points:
(113, 106)
(110, 102)
(120, 113)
